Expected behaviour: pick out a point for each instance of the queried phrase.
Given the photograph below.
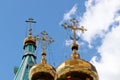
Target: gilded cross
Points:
(45, 40)
(74, 28)
(30, 20)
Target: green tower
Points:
(29, 58)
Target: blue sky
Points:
(98, 16)
(13, 28)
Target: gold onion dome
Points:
(29, 39)
(42, 71)
(76, 68)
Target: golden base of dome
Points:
(42, 76)
(75, 75)
(76, 66)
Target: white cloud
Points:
(68, 42)
(99, 17)
(67, 16)
(109, 66)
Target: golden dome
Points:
(75, 69)
(42, 71)
(29, 39)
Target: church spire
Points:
(74, 28)
(28, 59)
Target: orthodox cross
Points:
(44, 39)
(30, 20)
(74, 28)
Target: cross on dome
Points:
(44, 39)
(74, 27)
(30, 20)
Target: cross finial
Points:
(45, 40)
(30, 20)
(74, 27)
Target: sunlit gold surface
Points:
(76, 65)
(42, 68)
(29, 39)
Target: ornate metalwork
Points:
(30, 39)
(30, 20)
(74, 27)
(44, 39)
